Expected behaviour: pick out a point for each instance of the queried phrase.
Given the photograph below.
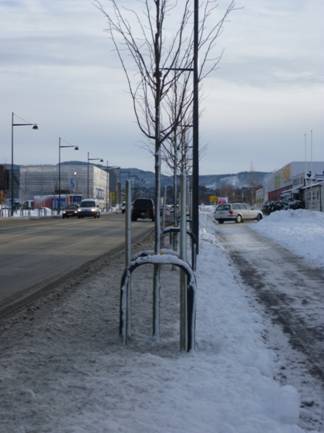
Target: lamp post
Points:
(88, 170)
(107, 186)
(13, 124)
(61, 146)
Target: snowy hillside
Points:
(145, 179)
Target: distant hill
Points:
(145, 179)
(243, 179)
(141, 178)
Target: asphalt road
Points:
(291, 290)
(35, 254)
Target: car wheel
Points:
(220, 221)
(239, 219)
(259, 217)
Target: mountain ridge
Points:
(244, 179)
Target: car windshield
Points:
(223, 207)
(143, 203)
(88, 203)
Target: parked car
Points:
(237, 212)
(70, 211)
(89, 208)
(143, 208)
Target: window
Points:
(223, 207)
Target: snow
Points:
(63, 369)
(300, 230)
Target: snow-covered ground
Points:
(301, 231)
(63, 370)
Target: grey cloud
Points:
(269, 71)
(57, 50)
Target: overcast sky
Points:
(57, 68)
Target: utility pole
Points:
(195, 121)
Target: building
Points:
(4, 183)
(313, 195)
(114, 185)
(36, 180)
(291, 178)
(76, 177)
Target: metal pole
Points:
(311, 167)
(157, 157)
(183, 256)
(311, 153)
(128, 254)
(195, 147)
(164, 208)
(12, 165)
(59, 182)
(107, 187)
(306, 166)
(88, 171)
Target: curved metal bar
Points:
(144, 258)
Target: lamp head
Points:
(101, 160)
(35, 126)
(76, 148)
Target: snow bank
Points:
(301, 231)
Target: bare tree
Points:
(160, 61)
(177, 149)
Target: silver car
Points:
(237, 212)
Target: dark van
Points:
(143, 208)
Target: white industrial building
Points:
(292, 176)
(299, 179)
(81, 178)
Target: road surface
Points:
(290, 289)
(35, 254)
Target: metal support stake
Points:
(157, 160)
(12, 167)
(164, 208)
(195, 141)
(183, 277)
(59, 179)
(128, 253)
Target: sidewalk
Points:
(63, 369)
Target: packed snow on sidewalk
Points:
(300, 230)
(62, 370)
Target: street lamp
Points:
(61, 146)
(88, 171)
(34, 126)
